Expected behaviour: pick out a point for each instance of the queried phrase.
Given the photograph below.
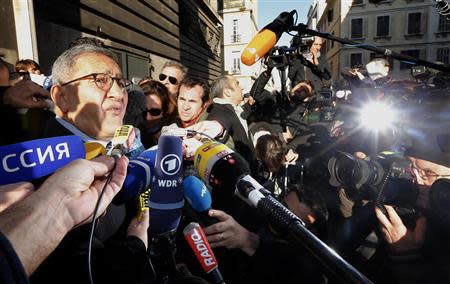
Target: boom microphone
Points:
(266, 39)
(30, 160)
(196, 238)
(278, 215)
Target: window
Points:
(382, 26)
(415, 53)
(355, 59)
(330, 15)
(236, 65)
(356, 29)
(235, 37)
(443, 55)
(357, 2)
(444, 24)
(332, 41)
(414, 23)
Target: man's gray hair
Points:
(177, 65)
(62, 68)
(219, 85)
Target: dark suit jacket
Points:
(225, 115)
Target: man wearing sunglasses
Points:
(171, 75)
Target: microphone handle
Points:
(200, 217)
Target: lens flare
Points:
(377, 116)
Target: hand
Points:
(12, 193)
(400, 238)
(26, 94)
(291, 157)
(212, 128)
(190, 145)
(230, 234)
(80, 183)
(139, 226)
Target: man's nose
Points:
(116, 91)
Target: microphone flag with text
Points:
(30, 160)
(218, 165)
(167, 198)
(196, 239)
(266, 39)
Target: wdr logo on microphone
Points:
(170, 164)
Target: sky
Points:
(268, 10)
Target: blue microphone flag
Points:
(27, 161)
(166, 196)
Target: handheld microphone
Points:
(42, 80)
(93, 150)
(219, 166)
(166, 198)
(34, 159)
(196, 239)
(199, 199)
(140, 172)
(177, 131)
(266, 39)
(122, 141)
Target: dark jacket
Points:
(227, 117)
(116, 258)
(317, 74)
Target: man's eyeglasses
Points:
(104, 81)
(172, 80)
(153, 111)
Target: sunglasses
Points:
(153, 111)
(172, 80)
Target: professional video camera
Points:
(280, 57)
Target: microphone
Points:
(122, 141)
(219, 166)
(42, 80)
(177, 131)
(443, 8)
(34, 159)
(196, 239)
(166, 198)
(140, 172)
(93, 150)
(199, 199)
(266, 39)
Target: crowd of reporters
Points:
(44, 225)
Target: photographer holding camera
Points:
(310, 65)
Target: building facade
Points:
(240, 26)
(143, 34)
(411, 27)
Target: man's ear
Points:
(59, 98)
(226, 92)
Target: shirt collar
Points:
(78, 132)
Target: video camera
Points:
(280, 57)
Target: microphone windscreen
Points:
(257, 48)
(93, 150)
(196, 193)
(166, 197)
(27, 161)
(219, 166)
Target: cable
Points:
(91, 235)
